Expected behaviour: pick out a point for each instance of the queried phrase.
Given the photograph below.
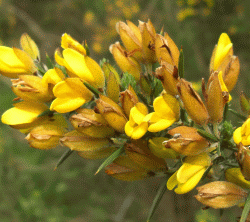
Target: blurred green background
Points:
(30, 189)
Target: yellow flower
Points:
(81, 66)
(189, 174)
(68, 42)
(14, 62)
(167, 111)
(24, 114)
(242, 134)
(235, 176)
(71, 94)
(137, 125)
(222, 49)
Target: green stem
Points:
(207, 129)
(225, 112)
(216, 130)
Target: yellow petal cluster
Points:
(242, 134)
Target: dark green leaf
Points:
(237, 114)
(246, 209)
(47, 112)
(92, 89)
(110, 159)
(49, 63)
(162, 189)
(63, 158)
(181, 64)
(207, 135)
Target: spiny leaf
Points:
(181, 64)
(110, 159)
(63, 158)
(49, 62)
(246, 209)
(92, 89)
(46, 113)
(162, 189)
(237, 114)
(207, 135)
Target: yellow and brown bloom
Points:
(168, 74)
(112, 113)
(187, 141)
(90, 123)
(30, 88)
(124, 61)
(192, 102)
(216, 96)
(220, 194)
(243, 157)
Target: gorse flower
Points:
(147, 122)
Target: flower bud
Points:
(80, 142)
(244, 103)
(168, 75)
(107, 69)
(242, 134)
(234, 175)
(30, 88)
(124, 61)
(123, 168)
(158, 149)
(128, 99)
(139, 152)
(30, 47)
(192, 102)
(189, 174)
(220, 194)
(148, 41)
(131, 38)
(187, 141)
(14, 62)
(91, 124)
(243, 157)
(166, 50)
(113, 88)
(112, 112)
(216, 97)
(45, 136)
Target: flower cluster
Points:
(147, 122)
